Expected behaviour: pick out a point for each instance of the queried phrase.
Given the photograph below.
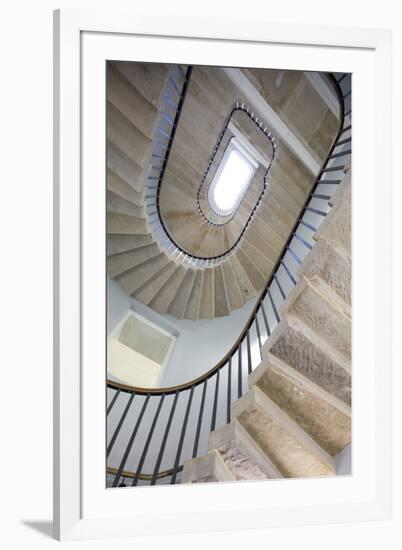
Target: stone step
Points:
(332, 264)
(240, 453)
(207, 300)
(313, 302)
(120, 263)
(193, 303)
(238, 461)
(167, 293)
(296, 344)
(134, 279)
(127, 137)
(123, 243)
(246, 288)
(290, 457)
(115, 203)
(147, 78)
(337, 225)
(235, 297)
(120, 187)
(206, 469)
(326, 419)
(128, 100)
(261, 244)
(122, 165)
(178, 307)
(261, 262)
(152, 286)
(253, 274)
(126, 225)
(221, 305)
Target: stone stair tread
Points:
(239, 462)
(235, 297)
(120, 263)
(117, 243)
(147, 78)
(167, 293)
(152, 285)
(126, 225)
(332, 264)
(308, 301)
(133, 105)
(300, 347)
(178, 306)
(119, 205)
(286, 453)
(121, 188)
(193, 302)
(325, 419)
(122, 165)
(127, 137)
(134, 279)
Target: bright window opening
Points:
(232, 178)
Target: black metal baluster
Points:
(213, 421)
(200, 417)
(119, 425)
(257, 326)
(249, 363)
(265, 320)
(110, 407)
(130, 443)
(148, 441)
(239, 375)
(229, 399)
(274, 307)
(165, 436)
(183, 433)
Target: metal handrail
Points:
(244, 337)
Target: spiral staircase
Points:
(278, 403)
(162, 126)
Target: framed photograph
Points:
(222, 314)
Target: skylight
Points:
(232, 178)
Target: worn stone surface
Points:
(324, 318)
(329, 427)
(122, 165)
(206, 310)
(178, 306)
(338, 227)
(308, 354)
(132, 280)
(167, 293)
(121, 188)
(119, 205)
(152, 286)
(284, 451)
(235, 297)
(127, 137)
(119, 263)
(147, 78)
(193, 303)
(133, 105)
(333, 266)
(122, 243)
(126, 225)
(239, 462)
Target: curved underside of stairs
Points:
(136, 259)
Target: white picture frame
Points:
(83, 508)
